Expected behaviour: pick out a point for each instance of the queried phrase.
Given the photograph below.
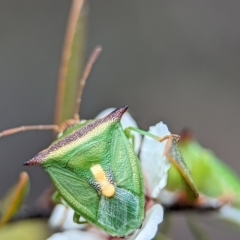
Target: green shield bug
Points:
(97, 173)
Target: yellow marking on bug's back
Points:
(107, 188)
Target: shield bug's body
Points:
(97, 173)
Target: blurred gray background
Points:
(174, 61)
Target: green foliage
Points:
(212, 176)
(182, 171)
(32, 229)
(14, 199)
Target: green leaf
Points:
(175, 157)
(14, 199)
(213, 177)
(26, 230)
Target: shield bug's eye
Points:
(106, 186)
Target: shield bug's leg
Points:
(129, 136)
(76, 218)
(56, 197)
(159, 139)
(174, 156)
(12, 131)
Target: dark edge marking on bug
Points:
(112, 117)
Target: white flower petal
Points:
(229, 213)
(155, 166)
(168, 198)
(153, 217)
(74, 235)
(62, 217)
(126, 121)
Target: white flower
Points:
(62, 218)
(153, 217)
(154, 164)
(126, 121)
(168, 198)
(75, 235)
(229, 213)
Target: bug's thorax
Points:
(82, 136)
(107, 188)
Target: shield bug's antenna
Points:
(82, 81)
(27, 128)
(70, 122)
